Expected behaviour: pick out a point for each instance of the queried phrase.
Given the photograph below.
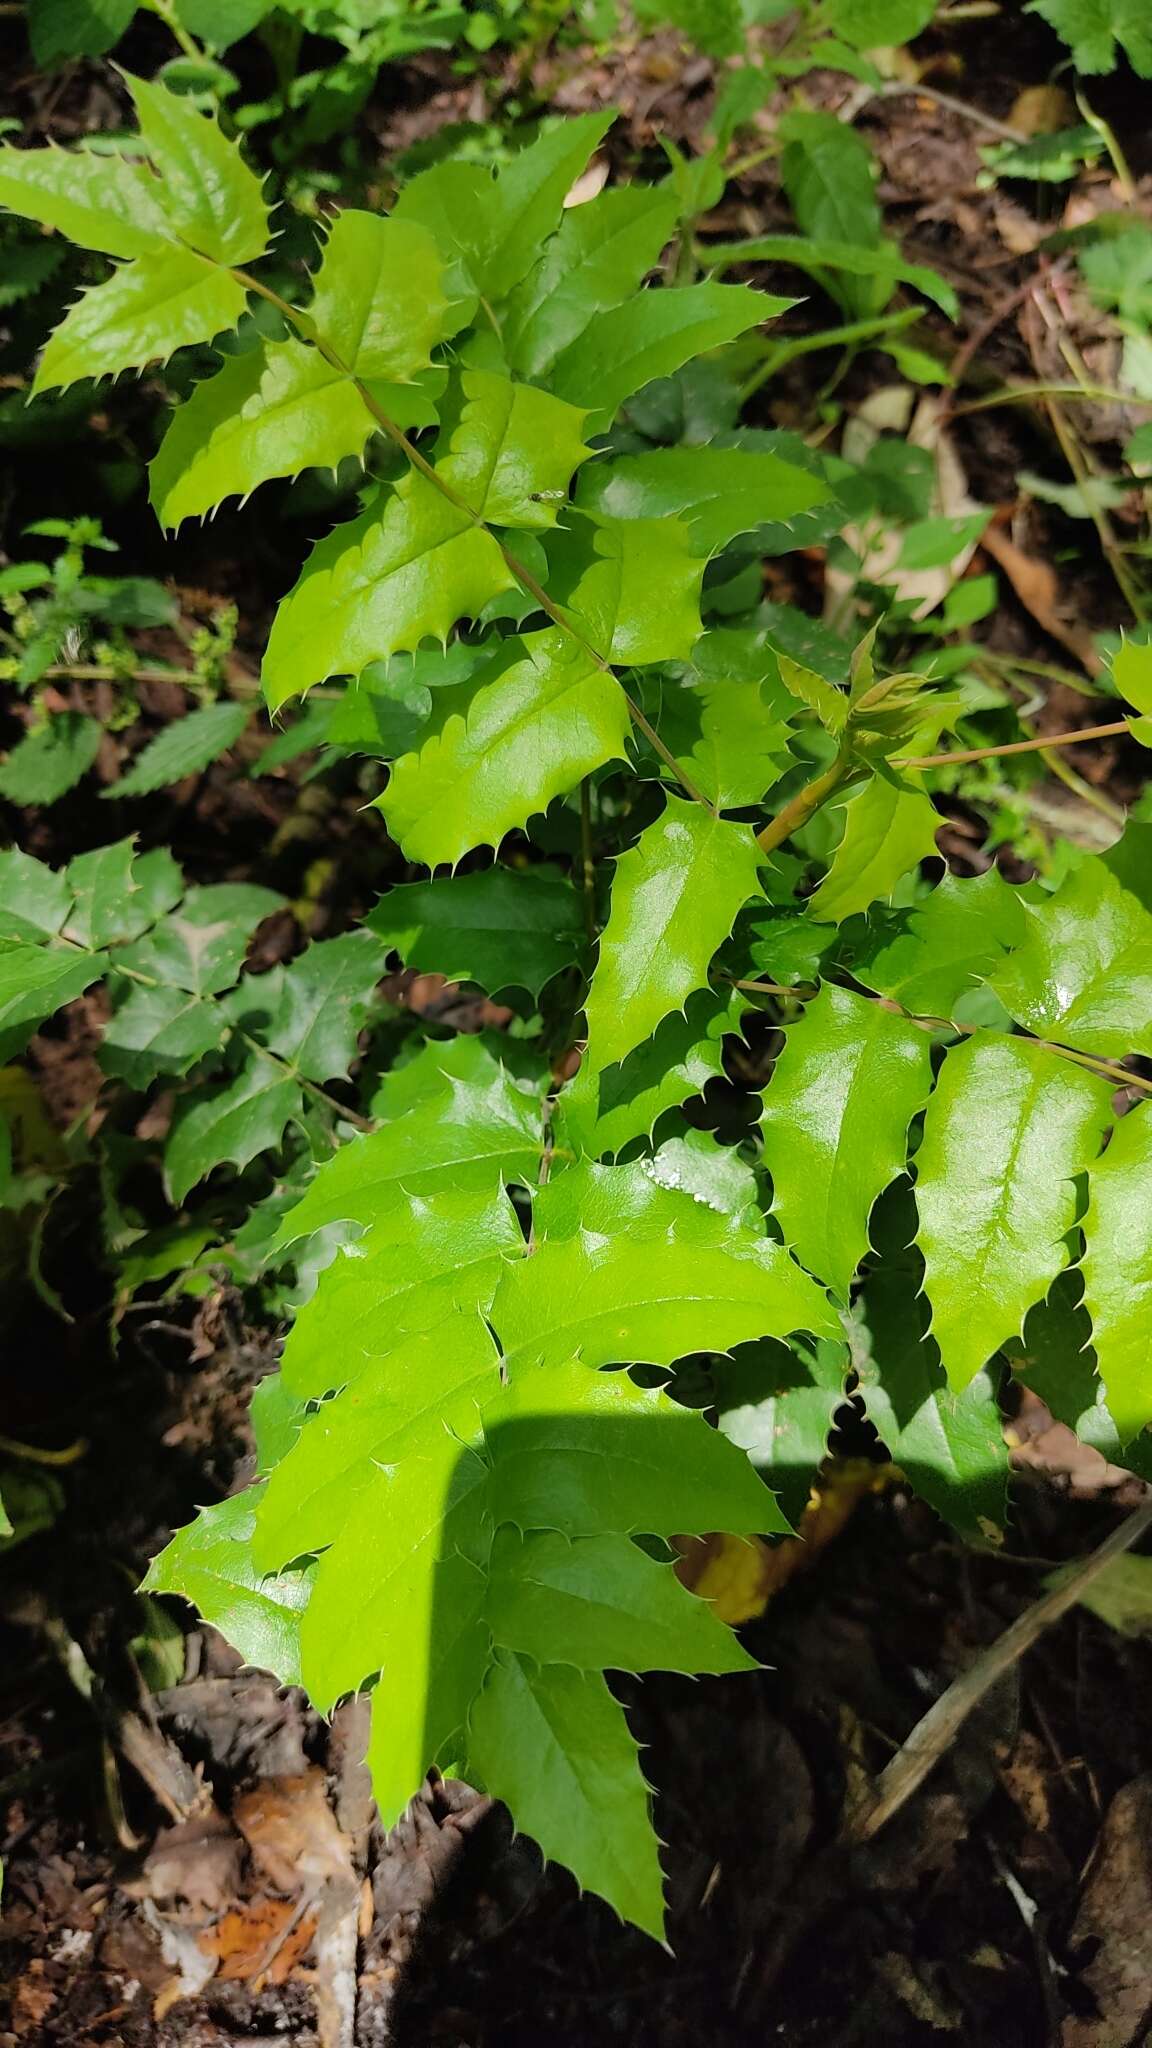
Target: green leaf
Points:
(406, 570)
(1008, 1128)
(676, 1279)
(158, 1031)
(674, 901)
(324, 1004)
(248, 1115)
(99, 202)
(597, 259)
(59, 30)
(949, 1443)
(210, 1563)
(554, 1744)
(276, 1417)
(1117, 1268)
(843, 1092)
(469, 1136)
(1132, 673)
(1083, 973)
(35, 981)
(541, 716)
(34, 901)
(51, 760)
(624, 348)
(719, 492)
(877, 24)
(202, 947)
(212, 199)
(600, 1603)
(185, 747)
(116, 895)
(1093, 28)
(637, 594)
(829, 174)
(490, 230)
(729, 735)
(376, 329)
(143, 313)
(883, 261)
(605, 1110)
(888, 829)
(274, 411)
(953, 942)
(500, 928)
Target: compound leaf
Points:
(599, 256)
(1006, 1131)
(202, 948)
(116, 896)
(843, 1092)
(324, 1004)
(674, 901)
(719, 493)
(157, 1031)
(213, 201)
(650, 336)
(210, 1563)
(606, 1109)
(953, 942)
(378, 301)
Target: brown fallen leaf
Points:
(1035, 584)
(264, 1938)
(740, 1576)
(292, 1833)
(194, 1867)
(1116, 1913)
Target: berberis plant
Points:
(561, 1324)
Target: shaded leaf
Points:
(234, 1123)
(500, 928)
(186, 746)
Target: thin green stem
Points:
(1107, 134)
(312, 1088)
(781, 352)
(1036, 746)
(176, 28)
(1023, 394)
(516, 568)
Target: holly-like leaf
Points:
(376, 329)
(719, 493)
(1006, 1131)
(650, 336)
(729, 735)
(674, 901)
(669, 1277)
(952, 944)
(1132, 673)
(143, 313)
(490, 229)
(100, 202)
(555, 1744)
(498, 927)
(777, 1403)
(210, 1563)
(637, 598)
(324, 1004)
(949, 1442)
(600, 1603)
(185, 747)
(605, 1109)
(34, 901)
(158, 1031)
(887, 830)
(117, 896)
(233, 1123)
(1117, 1268)
(843, 1092)
(471, 1135)
(542, 715)
(212, 200)
(202, 948)
(598, 257)
(51, 759)
(1084, 971)
(37, 980)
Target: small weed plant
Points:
(555, 1323)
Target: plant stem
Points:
(1020, 394)
(1036, 746)
(312, 1088)
(805, 803)
(939, 1727)
(522, 574)
(781, 352)
(976, 115)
